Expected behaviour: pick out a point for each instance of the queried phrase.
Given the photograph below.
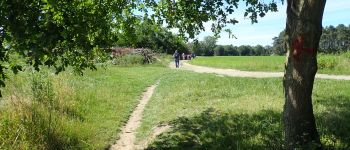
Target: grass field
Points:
(74, 112)
(210, 112)
(329, 64)
(46, 111)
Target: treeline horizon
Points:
(333, 40)
(160, 40)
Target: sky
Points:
(336, 12)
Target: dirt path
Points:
(253, 74)
(157, 130)
(127, 135)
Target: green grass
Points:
(330, 64)
(210, 112)
(46, 111)
(74, 112)
(249, 63)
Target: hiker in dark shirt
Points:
(176, 56)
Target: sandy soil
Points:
(252, 74)
(127, 135)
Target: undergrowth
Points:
(39, 119)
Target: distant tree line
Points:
(147, 34)
(208, 47)
(150, 35)
(333, 40)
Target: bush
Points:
(346, 54)
(326, 62)
(127, 60)
(130, 56)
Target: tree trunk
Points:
(303, 32)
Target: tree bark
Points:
(303, 32)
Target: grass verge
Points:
(328, 64)
(210, 112)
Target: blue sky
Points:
(336, 12)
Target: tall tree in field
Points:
(303, 32)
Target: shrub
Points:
(126, 60)
(346, 54)
(134, 57)
(326, 62)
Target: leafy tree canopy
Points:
(75, 32)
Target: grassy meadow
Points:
(328, 64)
(211, 112)
(45, 111)
(66, 111)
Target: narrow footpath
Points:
(127, 135)
(252, 74)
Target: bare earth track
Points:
(252, 74)
(127, 135)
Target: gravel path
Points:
(253, 74)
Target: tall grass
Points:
(35, 118)
(47, 111)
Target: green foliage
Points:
(231, 50)
(327, 62)
(219, 50)
(189, 16)
(57, 33)
(128, 60)
(205, 47)
(77, 33)
(278, 44)
(347, 54)
(333, 40)
(243, 50)
(150, 35)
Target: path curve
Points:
(127, 135)
(252, 74)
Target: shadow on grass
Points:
(334, 122)
(216, 130)
(263, 130)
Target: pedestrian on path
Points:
(176, 56)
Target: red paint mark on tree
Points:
(298, 47)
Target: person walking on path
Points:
(176, 56)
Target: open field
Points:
(328, 64)
(46, 111)
(211, 112)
